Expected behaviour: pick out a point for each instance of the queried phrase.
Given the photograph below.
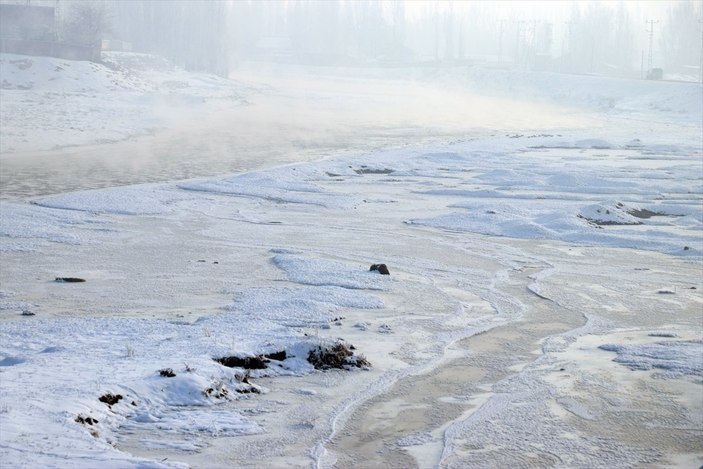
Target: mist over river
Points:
(289, 115)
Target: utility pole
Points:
(700, 66)
(566, 40)
(436, 33)
(58, 21)
(517, 41)
(531, 59)
(650, 31)
(500, 40)
(642, 66)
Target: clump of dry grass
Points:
(257, 362)
(338, 355)
(110, 399)
(250, 363)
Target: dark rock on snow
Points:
(380, 268)
(86, 420)
(110, 399)
(69, 279)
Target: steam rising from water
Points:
(295, 116)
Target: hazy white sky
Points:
(552, 10)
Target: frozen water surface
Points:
(537, 255)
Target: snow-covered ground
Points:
(543, 306)
(50, 103)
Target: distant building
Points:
(31, 29)
(28, 22)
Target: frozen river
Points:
(174, 155)
(542, 310)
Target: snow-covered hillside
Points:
(49, 102)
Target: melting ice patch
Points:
(676, 358)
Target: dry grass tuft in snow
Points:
(339, 355)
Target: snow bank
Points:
(302, 306)
(32, 222)
(669, 100)
(282, 185)
(610, 195)
(110, 356)
(118, 71)
(91, 380)
(147, 199)
(21, 72)
(311, 271)
(675, 357)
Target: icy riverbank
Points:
(277, 260)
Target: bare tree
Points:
(680, 39)
(87, 23)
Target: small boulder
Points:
(69, 280)
(278, 356)
(86, 420)
(380, 268)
